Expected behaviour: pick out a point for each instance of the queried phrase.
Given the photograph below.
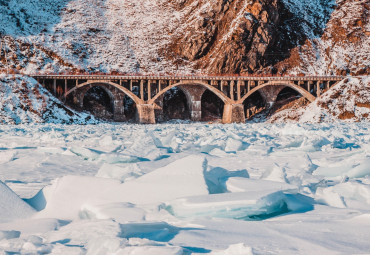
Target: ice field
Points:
(185, 189)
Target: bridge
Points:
(147, 92)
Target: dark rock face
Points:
(235, 36)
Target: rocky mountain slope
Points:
(185, 36)
(342, 49)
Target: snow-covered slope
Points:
(23, 100)
(348, 101)
(342, 49)
(131, 36)
(91, 35)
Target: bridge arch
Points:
(127, 92)
(217, 92)
(300, 90)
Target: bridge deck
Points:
(190, 77)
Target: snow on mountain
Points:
(24, 100)
(342, 49)
(91, 35)
(348, 101)
(130, 36)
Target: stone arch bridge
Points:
(147, 92)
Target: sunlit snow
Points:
(185, 189)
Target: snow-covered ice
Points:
(185, 189)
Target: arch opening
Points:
(175, 105)
(99, 102)
(288, 98)
(254, 105)
(212, 107)
(287, 95)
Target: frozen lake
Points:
(185, 189)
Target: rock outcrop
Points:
(240, 36)
(342, 49)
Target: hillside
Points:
(348, 101)
(23, 100)
(186, 36)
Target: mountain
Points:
(186, 36)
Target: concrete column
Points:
(131, 85)
(149, 89)
(233, 113)
(249, 86)
(145, 113)
(159, 85)
(318, 91)
(142, 89)
(232, 90)
(270, 93)
(238, 91)
(194, 95)
(309, 87)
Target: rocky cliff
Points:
(243, 36)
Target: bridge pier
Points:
(194, 96)
(233, 113)
(118, 106)
(145, 113)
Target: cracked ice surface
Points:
(185, 189)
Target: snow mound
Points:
(238, 184)
(349, 194)
(11, 206)
(24, 100)
(121, 173)
(235, 249)
(348, 101)
(67, 196)
(257, 200)
(120, 212)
